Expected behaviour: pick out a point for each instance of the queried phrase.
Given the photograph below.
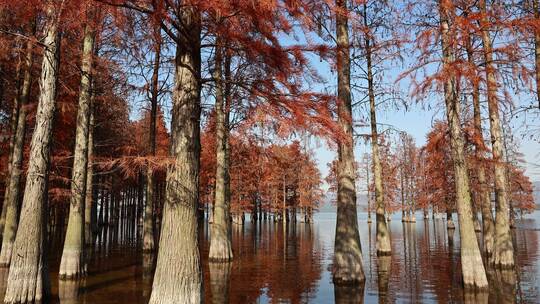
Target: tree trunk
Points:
(89, 218)
(485, 199)
(472, 268)
(220, 234)
(503, 254)
(28, 279)
(537, 50)
(347, 251)
(13, 127)
(148, 229)
(11, 200)
(72, 262)
(178, 277)
(383, 235)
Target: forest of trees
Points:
(155, 115)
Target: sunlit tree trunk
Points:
(89, 218)
(72, 262)
(503, 254)
(28, 279)
(472, 268)
(383, 236)
(220, 233)
(11, 200)
(347, 251)
(148, 224)
(178, 277)
(485, 199)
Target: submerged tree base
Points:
(72, 266)
(220, 251)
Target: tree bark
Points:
(13, 127)
(347, 250)
(72, 261)
(11, 200)
(383, 235)
(178, 277)
(148, 229)
(472, 268)
(485, 199)
(89, 209)
(28, 279)
(503, 255)
(220, 233)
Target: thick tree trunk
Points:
(72, 263)
(503, 254)
(383, 236)
(220, 233)
(89, 209)
(148, 224)
(472, 268)
(11, 200)
(178, 277)
(347, 251)
(28, 274)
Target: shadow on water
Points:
(290, 264)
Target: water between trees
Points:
(277, 265)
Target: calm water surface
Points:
(276, 265)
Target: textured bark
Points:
(90, 207)
(11, 200)
(72, 262)
(503, 254)
(347, 250)
(472, 268)
(220, 233)
(178, 277)
(28, 279)
(148, 224)
(383, 236)
(485, 200)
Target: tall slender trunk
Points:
(536, 10)
(484, 194)
(148, 224)
(89, 218)
(220, 233)
(503, 254)
(178, 274)
(383, 235)
(472, 268)
(28, 279)
(11, 200)
(72, 262)
(368, 191)
(347, 250)
(13, 127)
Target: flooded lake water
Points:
(276, 265)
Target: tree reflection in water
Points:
(291, 264)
